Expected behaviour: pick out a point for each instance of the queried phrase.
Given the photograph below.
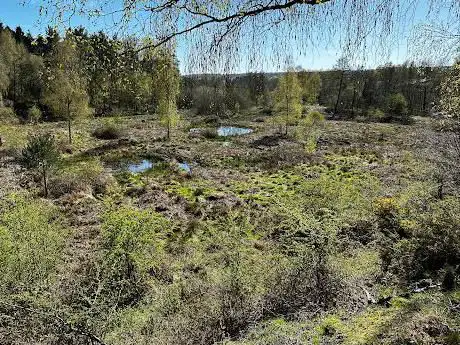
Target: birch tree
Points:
(167, 90)
(288, 100)
(66, 88)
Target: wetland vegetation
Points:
(139, 206)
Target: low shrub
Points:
(34, 114)
(309, 129)
(31, 244)
(108, 131)
(87, 176)
(131, 251)
(42, 156)
(397, 108)
(209, 133)
(375, 114)
(7, 115)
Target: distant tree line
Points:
(54, 77)
(387, 93)
(352, 91)
(60, 77)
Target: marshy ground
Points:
(258, 242)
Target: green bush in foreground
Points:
(31, 244)
(132, 246)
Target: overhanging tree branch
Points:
(241, 14)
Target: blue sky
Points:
(12, 13)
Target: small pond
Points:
(144, 165)
(228, 131)
(140, 167)
(225, 131)
(185, 167)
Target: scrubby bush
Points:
(132, 250)
(309, 129)
(34, 114)
(225, 284)
(85, 176)
(210, 133)
(438, 240)
(375, 114)
(41, 154)
(315, 117)
(397, 108)
(107, 131)
(7, 115)
(209, 101)
(31, 244)
(419, 242)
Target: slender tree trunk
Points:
(45, 184)
(424, 98)
(340, 93)
(14, 85)
(69, 123)
(353, 102)
(287, 114)
(169, 129)
(70, 131)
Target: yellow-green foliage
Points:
(404, 322)
(192, 190)
(288, 97)
(132, 246)
(65, 93)
(365, 328)
(7, 115)
(82, 176)
(311, 86)
(109, 128)
(325, 192)
(128, 325)
(134, 235)
(167, 90)
(358, 264)
(450, 91)
(31, 244)
(309, 129)
(34, 114)
(13, 137)
(375, 114)
(221, 278)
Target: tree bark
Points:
(424, 98)
(169, 128)
(14, 85)
(340, 93)
(69, 124)
(45, 184)
(353, 102)
(287, 114)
